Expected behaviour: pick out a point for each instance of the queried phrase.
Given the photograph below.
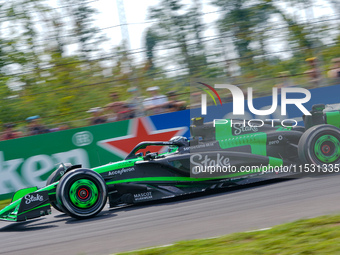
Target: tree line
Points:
(52, 62)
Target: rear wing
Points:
(323, 114)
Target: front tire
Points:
(54, 177)
(82, 193)
(320, 145)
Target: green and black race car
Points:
(82, 193)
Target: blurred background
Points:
(72, 63)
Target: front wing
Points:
(28, 203)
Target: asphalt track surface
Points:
(124, 229)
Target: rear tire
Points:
(320, 145)
(82, 193)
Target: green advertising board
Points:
(28, 161)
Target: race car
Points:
(82, 193)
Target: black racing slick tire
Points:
(82, 193)
(320, 146)
(54, 177)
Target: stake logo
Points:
(239, 98)
(31, 198)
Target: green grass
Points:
(313, 236)
(4, 203)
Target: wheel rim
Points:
(83, 193)
(327, 148)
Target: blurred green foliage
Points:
(39, 75)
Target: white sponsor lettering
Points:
(241, 129)
(33, 198)
(36, 166)
(76, 156)
(199, 146)
(82, 138)
(274, 142)
(143, 196)
(121, 171)
(204, 162)
(10, 180)
(33, 168)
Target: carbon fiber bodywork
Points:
(147, 177)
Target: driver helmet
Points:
(180, 140)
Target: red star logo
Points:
(140, 130)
